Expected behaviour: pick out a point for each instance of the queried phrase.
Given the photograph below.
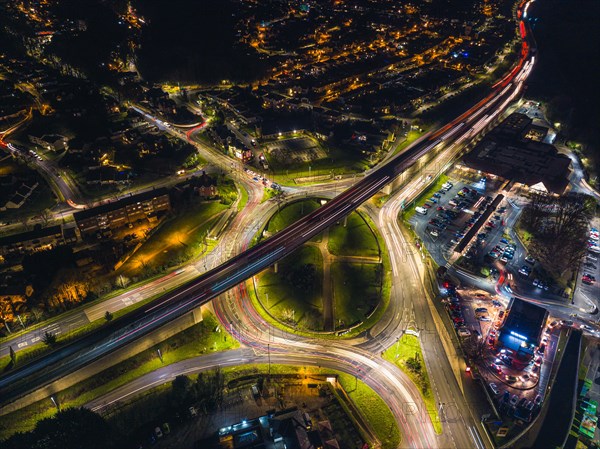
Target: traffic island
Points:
(335, 283)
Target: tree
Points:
(49, 339)
(559, 227)
(180, 390)
(73, 428)
(108, 316)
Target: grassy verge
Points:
(409, 210)
(243, 199)
(375, 410)
(410, 138)
(192, 342)
(403, 354)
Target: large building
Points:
(122, 212)
(523, 326)
(37, 240)
(513, 151)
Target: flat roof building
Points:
(523, 326)
(505, 152)
(126, 210)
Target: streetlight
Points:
(267, 295)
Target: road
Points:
(119, 332)
(216, 281)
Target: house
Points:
(51, 142)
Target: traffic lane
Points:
(35, 337)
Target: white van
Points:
(421, 210)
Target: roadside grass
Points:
(243, 199)
(407, 348)
(375, 410)
(410, 138)
(354, 239)
(178, 239)
(409, 210)
(356, 291)
(268, 193)
(291, 289)
(195, 341)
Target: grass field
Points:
(407, 347)
(291, 213)
(354, 239)
(177, 240)
(356, 291)
(194, 341)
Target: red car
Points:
(427, 206)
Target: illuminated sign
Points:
(519, 336)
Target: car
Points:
(506, 360)
(496, 303)
(437, 195)
(525, 377)
(464, 332)
(514, 399)
(158, 432)
(567, 323)
(485, 318)
(427, 206)
(529, 259)
(537, 400)
(511, 379)
(504, 241)
(433, 200)
(481, 309)
(477, 334)
(494, 388)
(542, 348)
(522, 402)
(434, 233)
(495, 367)
(592, 258)
(440, 208)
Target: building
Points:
(36, 240)
(205, 185)
(523, 326)
(51, 142)
(110, 216)
(513, 151)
